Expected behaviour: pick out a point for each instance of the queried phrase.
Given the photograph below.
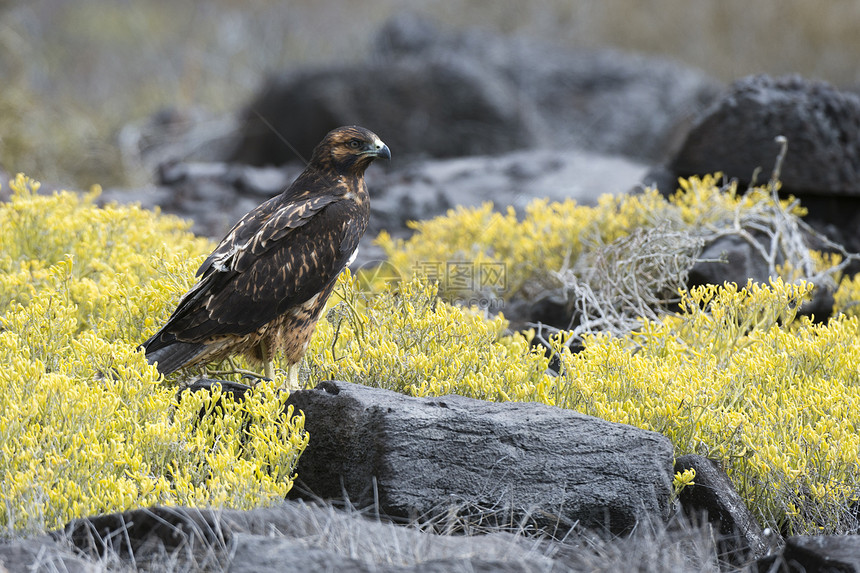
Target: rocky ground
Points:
(453, 484)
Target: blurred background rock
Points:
(84, 81)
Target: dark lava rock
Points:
(436, 92)
(733, 259)
(818, 553)
(713, 496)
(735, 135)
(491, 463)
(420, 108)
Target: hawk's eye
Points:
(354, 143)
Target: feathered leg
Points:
(269, 367)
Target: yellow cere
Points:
(86, 425)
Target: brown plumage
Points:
(264, 286)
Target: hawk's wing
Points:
(269, 222)
(278, 256)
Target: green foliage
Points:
(86, 425)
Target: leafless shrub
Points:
(613, 287)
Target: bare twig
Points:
(614, 287)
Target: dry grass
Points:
(214, 540)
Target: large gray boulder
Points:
(430, 91)
(603, 100)
(491, 463)
(736, 134)
(421, 108)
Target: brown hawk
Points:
(265, 285)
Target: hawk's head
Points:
(350, 149)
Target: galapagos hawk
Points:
(265, 285)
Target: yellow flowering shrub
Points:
(405, 339)
(735, 375)
(549, 234)
(614, 263)
(86, 425)
(846, 299)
